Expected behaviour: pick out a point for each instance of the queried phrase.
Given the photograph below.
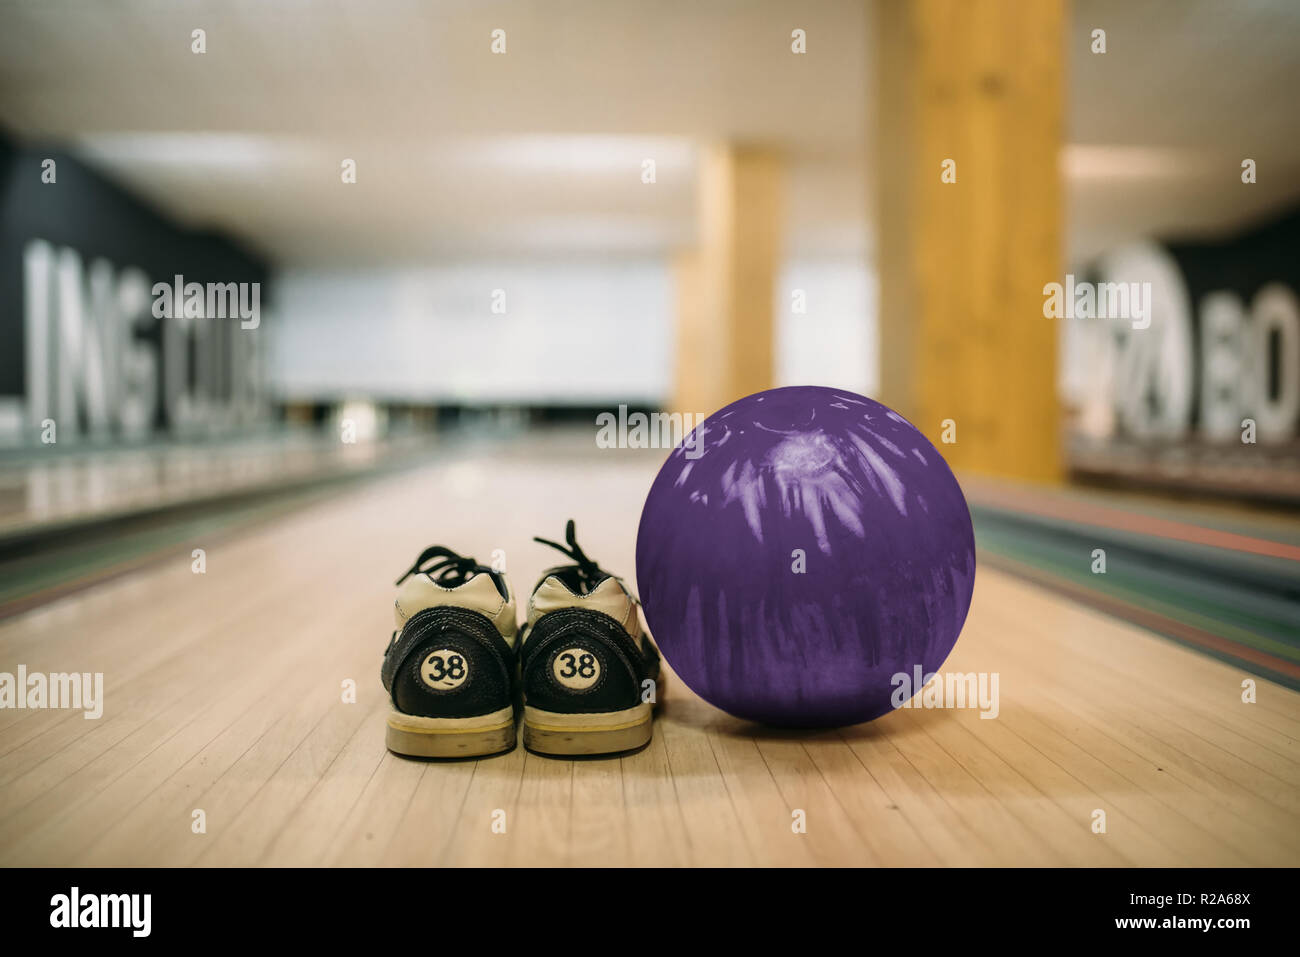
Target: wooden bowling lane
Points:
(224, 694)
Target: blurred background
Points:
(253, 254)
(291, 290)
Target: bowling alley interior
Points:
(907, 393)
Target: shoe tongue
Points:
(572, 578)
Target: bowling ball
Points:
(798, 550)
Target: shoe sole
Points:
(478, 736)
(555, 732)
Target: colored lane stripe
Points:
(1105, 516)
(1286, 671)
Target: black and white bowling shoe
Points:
(590, 673)
(451, 666)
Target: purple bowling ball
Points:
(801, 548)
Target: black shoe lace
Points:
(451, 570)
(587, 573)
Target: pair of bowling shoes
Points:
(460, 669)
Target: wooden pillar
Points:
(727, 285)
(963, 264)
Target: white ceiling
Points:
(1160, 123)
(462, 153)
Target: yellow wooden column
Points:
(727, 285)
(962, 264)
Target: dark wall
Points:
(87, 212)
(1245, 263)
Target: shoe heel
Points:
(478, 736)
(564, 734)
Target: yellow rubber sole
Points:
(451, 737)
(550, 732)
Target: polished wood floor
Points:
(225, 694)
